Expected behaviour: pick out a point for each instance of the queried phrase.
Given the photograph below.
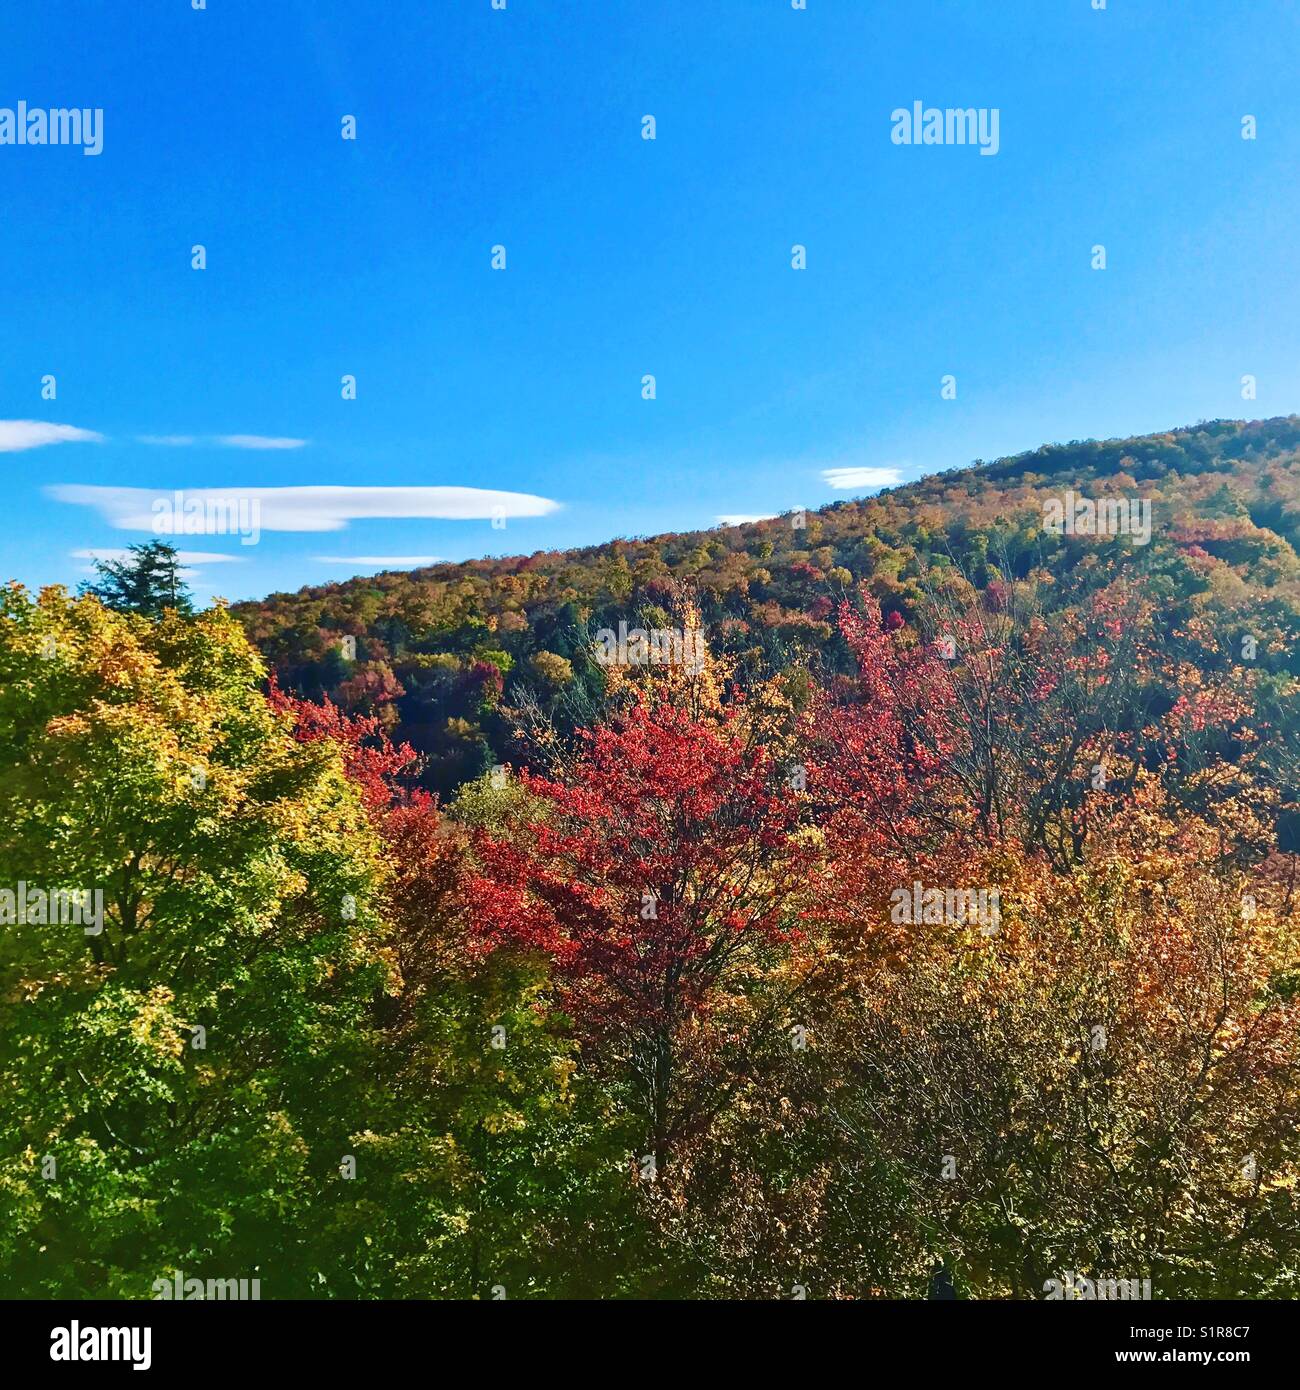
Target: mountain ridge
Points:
(1279, 428)
(442, 654)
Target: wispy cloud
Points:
(844, 478)
(258, 441)
(304, 508)
(742, 518)
(224, 441)
(392, 562)
(16, 435)
(186, 557)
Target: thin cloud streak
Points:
(185, 557)
(302, 508)
(844, 478)
(257, 441)
(17, 435)
(224, 441)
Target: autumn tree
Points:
(182, 1070)
(485, 1160)
(1105, 1084)
(379, 768)
(664, 869)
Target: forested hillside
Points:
(896, 900)
(442, 655)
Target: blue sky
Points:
(625, 257)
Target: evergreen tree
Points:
(146, 582)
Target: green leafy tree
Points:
(490, 1163)
(179, 1071)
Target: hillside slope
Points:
(444, 654)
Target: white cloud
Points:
(392, 562)
(228, 441)
(742, 518)
(258, 441)
(16, 435)
(186, 557)
(303, 508)
(844, 478)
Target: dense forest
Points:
(891, 898)
(446, 657)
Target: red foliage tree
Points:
(666, 855)
(370, 757)
(371, 688)
(880, 769)
(881, 744)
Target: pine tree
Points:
(146, 582)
